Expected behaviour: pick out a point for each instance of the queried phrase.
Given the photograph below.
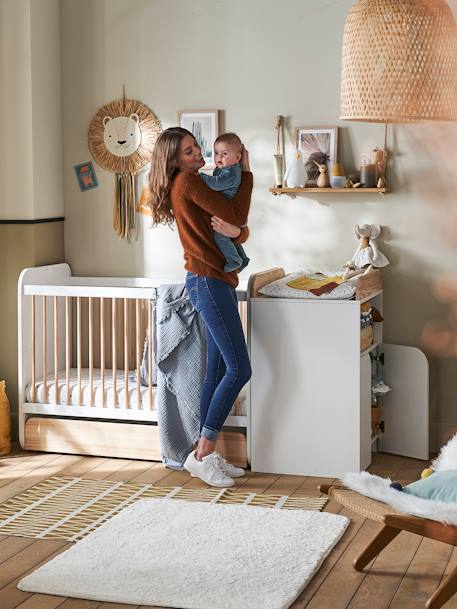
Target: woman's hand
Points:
(225, 228)
(245, 160)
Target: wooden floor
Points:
(403, 576)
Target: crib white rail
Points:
(65, 325)
(109, 334)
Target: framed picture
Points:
(317, 144)
(204, 124)
(86, 176)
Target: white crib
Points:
(80, 349)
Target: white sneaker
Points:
(231, 470)
(209, 469)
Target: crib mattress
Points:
(112, 399)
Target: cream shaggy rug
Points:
(194, 556)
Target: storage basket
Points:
(368, 284)
(366, 337)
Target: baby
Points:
(226, 179)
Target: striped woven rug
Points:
(71, 508)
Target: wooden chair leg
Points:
(378, 543)
(444, 592)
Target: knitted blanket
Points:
(181, 361)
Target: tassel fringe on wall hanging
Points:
(121, 139)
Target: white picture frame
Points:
(312, 141)
(204, 125)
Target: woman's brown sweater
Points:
(193, 204)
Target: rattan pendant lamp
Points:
(399, 62)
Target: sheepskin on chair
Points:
(379, 488)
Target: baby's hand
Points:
(245, 159)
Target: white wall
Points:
(253, 60)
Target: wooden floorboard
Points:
(423, 575)
(402, 577)
(452, 603)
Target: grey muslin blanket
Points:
(181, 362)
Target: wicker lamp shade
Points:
(399, 62)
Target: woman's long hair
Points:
(164, 166)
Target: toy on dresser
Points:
(367, 256)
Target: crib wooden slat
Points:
(132, 329)
(126, 352)
(109, 329)
(67, 346)
(137, 340)
(150, 332)
(91, 352)
(45, 348)
(78, 345)
(56, 350)
(102, 348)
(33, 351)
(120, 330)
(114, 348)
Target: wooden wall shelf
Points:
(287, 191)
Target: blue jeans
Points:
(228, 367)
(235, 256)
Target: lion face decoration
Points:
(122, 135)
(121, 138)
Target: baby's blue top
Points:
(225, 180)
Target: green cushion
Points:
(440, 486)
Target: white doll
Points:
(367, 256)
(295, 176)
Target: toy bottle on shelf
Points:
(367, 172)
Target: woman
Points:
(178, 194)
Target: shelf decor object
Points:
(279, 158)
(310, 190)
(121, 138)
(399, 62)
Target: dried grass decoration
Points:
(121, 139)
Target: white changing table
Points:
(311, 389)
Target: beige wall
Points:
(255, 60)
(21, 246)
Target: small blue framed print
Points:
(85, 173)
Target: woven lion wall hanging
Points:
(121, 138)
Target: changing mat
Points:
(284, 287)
